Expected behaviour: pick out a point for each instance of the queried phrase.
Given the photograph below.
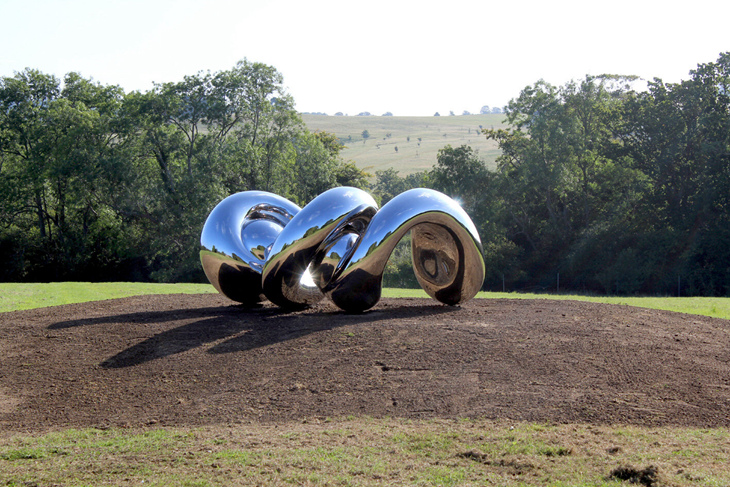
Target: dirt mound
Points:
(200, 359)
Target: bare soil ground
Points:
(187, 360)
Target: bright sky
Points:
(406, 57)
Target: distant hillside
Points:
(378, 152)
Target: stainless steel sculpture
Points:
(257, 245)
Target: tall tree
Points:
(678, 135)
(58, 145)
(559, 174)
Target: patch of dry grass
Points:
(367, 451)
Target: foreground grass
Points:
(18, 296)
(366, 451)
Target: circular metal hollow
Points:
(257, 245)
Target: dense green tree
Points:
(211, 135)
(559, 174)
(348, 174)
(97, 184)
(678, 136)
(388, 185)
(620, 191)
(60, 146)
(461, 174)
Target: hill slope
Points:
(378, 152)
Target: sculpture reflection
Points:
(257, 245)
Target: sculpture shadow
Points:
(144, 317)
(294, 326)
(236, 329)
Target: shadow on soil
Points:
(236, 328)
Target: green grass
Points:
(366, 451)
(19, 296)
(378, 152)
(713, 307)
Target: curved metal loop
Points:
(236, 238)
(257, 245)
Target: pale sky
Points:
(406, 57)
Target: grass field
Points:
(386, 133)
(18, 296)
(713, 307)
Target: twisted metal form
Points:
(257, 245)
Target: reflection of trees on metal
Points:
(258, 245)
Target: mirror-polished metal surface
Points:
(257, 245)
(235, 239)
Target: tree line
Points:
(101, 185)
(601, 187)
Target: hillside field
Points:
(378, 152)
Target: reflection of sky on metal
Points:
(433, 57)
(258, 235)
